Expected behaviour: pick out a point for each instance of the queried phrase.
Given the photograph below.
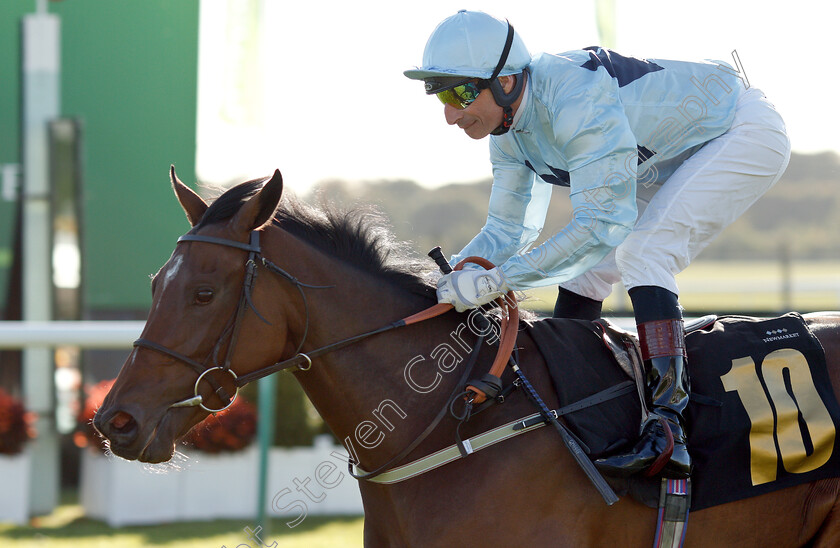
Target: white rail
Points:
(84, 334)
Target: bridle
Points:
(231, 331)
(301, 360)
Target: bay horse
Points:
(320, 277)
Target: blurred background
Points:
(98, 98)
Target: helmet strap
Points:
(505, 52)
(505, 100)
(507, 121)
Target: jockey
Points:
(658, 157)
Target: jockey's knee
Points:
(646, 266)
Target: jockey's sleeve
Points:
(588, 134)
(515, 215)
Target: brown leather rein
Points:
(301, 360)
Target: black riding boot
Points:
(663, 349)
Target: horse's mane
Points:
(359, 236)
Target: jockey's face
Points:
(478, 119)
(483, 115)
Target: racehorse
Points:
(318, 276)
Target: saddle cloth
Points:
(762, 414)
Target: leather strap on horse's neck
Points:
(509, 328)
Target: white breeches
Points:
(709, 191)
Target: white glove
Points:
(467, 289)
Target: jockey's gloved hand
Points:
(465, 289)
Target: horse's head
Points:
(201, 323)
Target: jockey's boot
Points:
(666, 379)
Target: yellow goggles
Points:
(460, 96)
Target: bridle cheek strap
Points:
(245, 301)
(234, 325)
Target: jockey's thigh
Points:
(596, 283)
(709, 191)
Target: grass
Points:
(67, 527)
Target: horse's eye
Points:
(203, 296)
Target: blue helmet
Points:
(471, 44)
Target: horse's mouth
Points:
(157, 451)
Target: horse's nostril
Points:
(122, 422)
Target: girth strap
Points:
(672, 517)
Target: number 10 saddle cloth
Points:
(762, 414)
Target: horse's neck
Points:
(355, 302)
(347, 301)
(362, 391)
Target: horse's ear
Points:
(259, 210)
(192, 203)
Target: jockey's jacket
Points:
(603, 125)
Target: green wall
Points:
(129, 72)
(9, 124)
